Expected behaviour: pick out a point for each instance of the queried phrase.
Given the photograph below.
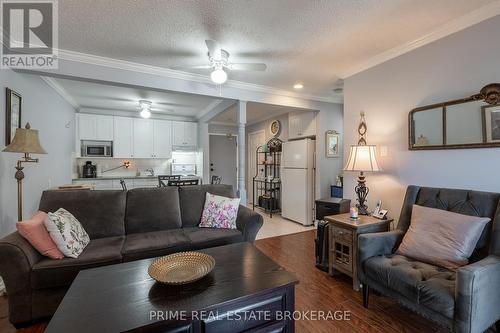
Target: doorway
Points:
(255, 140)
(224, 158)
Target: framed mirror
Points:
(471, 122)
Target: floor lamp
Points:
(25, 141)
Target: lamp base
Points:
(362, 192)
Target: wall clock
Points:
(275, 127)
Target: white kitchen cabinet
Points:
(104, 128)
(191, 134)
(123, 137)
(143, 141)
(97, 184)
(87, 127)
(185, 134)
(301, 125)
(95, 127)
(146, 182)
(162, 141)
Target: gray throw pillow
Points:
(440, 237)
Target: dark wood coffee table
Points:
(245, 291)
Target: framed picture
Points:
(12, 114)
(332, 144)
(275, 127)
(491, 123)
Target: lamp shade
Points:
(25, 141)
(362, 158)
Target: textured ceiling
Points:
(300, 40)
(113, 98)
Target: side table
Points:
(343, 237)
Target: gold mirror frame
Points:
(490, 94)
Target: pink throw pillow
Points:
(36, 234)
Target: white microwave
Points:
(97, 149)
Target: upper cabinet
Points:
(301, 125)
(185, 134)
(143, 138)
(95, 127)
(152, 138)
(162, 141)
(123, 137)
(137, 137)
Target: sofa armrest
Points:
(249, 223)
(17, 257)
(376, 244)
(477, 295)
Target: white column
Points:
(204, 148)
(241, 120)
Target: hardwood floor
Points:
(316, 291)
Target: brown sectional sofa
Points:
(123, 226)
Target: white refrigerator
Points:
(297, 181)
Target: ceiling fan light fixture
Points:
(145, 109)
(218, 76)
(298, 86)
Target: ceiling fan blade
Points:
(248, 67)
(214, 49)
(180, 68)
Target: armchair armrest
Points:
(477, 295)
(17, 257)
(249, 223)
(376, 244)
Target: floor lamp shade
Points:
(362, 158)
(25, 141)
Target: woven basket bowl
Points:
(181, 268)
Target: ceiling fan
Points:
(220, 65)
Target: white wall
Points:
(331, 117)
(46, 111)
(453, 67)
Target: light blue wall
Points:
(453, 67)
(46, 111)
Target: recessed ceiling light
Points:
(298, 86)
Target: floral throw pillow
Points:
(67, 232)
(219, 212)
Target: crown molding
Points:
(223, 123)
(175, 74)
(61, 91)
(456, 25)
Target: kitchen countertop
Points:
(131, 177)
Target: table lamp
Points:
(362, 158)
(25, 141)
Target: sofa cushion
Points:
(154, 244)
(201, 238)
(422, 283)
(101, 213)
(192, 201)
(440, 237)
(34, 231)
(67, 232)
(152, 209)
(49, 273)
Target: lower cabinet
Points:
(115, 184)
